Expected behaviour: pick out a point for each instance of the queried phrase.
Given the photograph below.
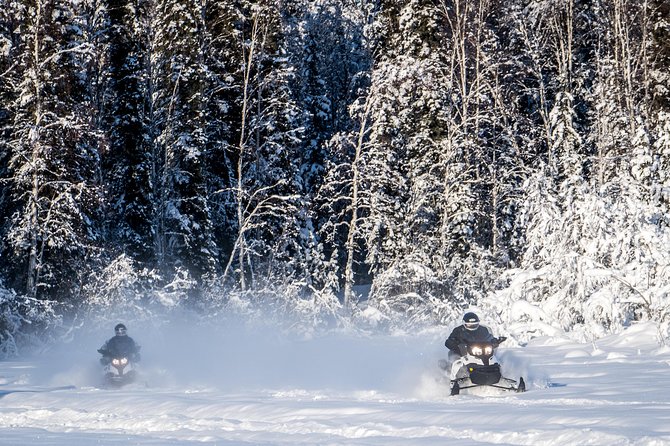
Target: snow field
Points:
(256, 389)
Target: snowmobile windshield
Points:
(478, 335)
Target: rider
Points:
(120, 345)
(470, 331)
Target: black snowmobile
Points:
(118, 369)
(479, 367)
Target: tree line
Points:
(438, 151)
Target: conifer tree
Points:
(433, 110)
(54, 157)
(8, 91)
(327, 47)
(125, 115)
(328, 52)
(182, 224)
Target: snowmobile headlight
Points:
(476, 350)
(124, 361)
(488, 350)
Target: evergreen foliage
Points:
(182, 221)
(125, 116)
(54, 160)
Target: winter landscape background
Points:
(320, 189)
(291, 203)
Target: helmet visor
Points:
(471, 325)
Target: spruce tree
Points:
(182, 223)
(54, 158)
(125, 115)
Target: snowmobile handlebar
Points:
(495, 342)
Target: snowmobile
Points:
(479, 367)
(118, 370)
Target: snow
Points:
(233, 386)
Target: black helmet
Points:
(120, 329)
(471, 321)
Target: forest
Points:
(367, 163)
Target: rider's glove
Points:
(462, 349)
(499, 340)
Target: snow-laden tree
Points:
(409, 94)
(330, 58)
(343, 200)
(222, 49)
(441, 168)
(269, 170)
(480, 159)
(24, 321)
(9, 19)
(182, 224)
(125, 290)
(54, 158)
(124, 114)
(265, 190)
(657, 89)
(600, 265)
(328, 51)
(392, 212)
(595, 257)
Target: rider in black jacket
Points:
(120, 345)
(469, 332)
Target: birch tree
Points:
(265, 155)
(223, 98)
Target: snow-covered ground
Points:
(266, 389)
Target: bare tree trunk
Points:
(33, 204)
(630, 56)
(239, 249)
(350, 245)
(158, 218)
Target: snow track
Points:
(578, 395)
